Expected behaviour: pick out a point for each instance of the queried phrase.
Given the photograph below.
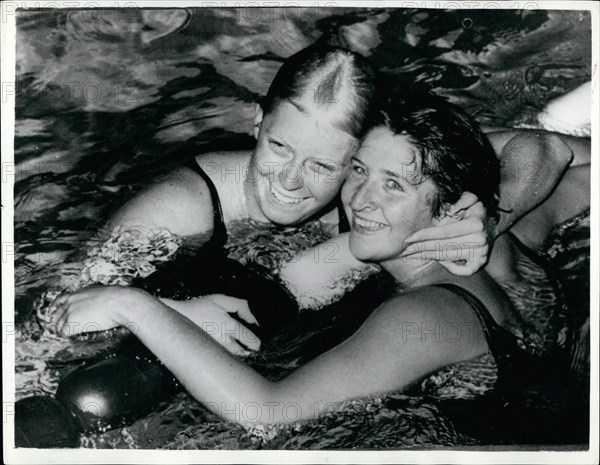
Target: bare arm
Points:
(580, 146)
(532, 164)
(571, 197)
(387, 353)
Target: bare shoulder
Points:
(436, 305)
(178, 201)
(431, 320)
(415, 311)
(425, 304)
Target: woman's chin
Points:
(285, 216)
(362, 251)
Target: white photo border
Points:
(467, 455)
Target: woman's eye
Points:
(393, 185)
(277, 146)
(323, 167)
(359, 170)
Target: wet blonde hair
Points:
(329, 79)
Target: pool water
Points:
(106, 100)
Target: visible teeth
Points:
(284, 198)
(372, 225)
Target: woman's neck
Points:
(250, 196)
(237, 197)
(415, 272)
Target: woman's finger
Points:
(452, 230)
(243, 341)
(466, 269)
(227, 301)
(232, 346)
(235, 305)
(232, 329)
(467, 200)
(464, 248)
(477, 209)
(246, 314)
(249, 339)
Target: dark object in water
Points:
(117, 390)
(107, 394)
(131, 382)
(43, 422)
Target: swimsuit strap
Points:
(219, 236)
(536, 257)
(506, 348)
(545, 259)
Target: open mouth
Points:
(285, 199)
(362, 225)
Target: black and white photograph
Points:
(342, 228)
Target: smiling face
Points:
(300, 163)
(382, 199)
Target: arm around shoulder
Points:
(393, 348)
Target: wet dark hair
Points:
(454, 153)
(334, 79)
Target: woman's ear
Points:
(258, 117)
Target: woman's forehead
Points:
(382, 146)
(310, 132)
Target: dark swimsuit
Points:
(565, 257)
(219, 235)
(513, 360)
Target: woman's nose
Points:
(290, 177)
(363, 198)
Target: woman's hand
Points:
(461, 243)
(96, 308)
(212, 314)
